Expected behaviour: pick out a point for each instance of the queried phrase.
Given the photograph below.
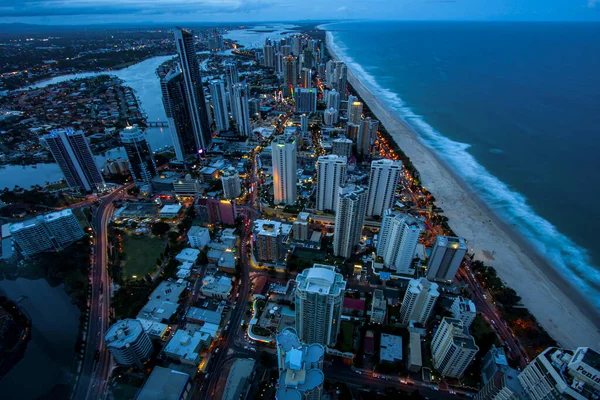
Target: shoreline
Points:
(562, 312)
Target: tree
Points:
(160, 228)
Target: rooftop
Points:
(171, 209)
(185, 345)
(123, 332)
(164, 384)
(354, 304)
(390, 348)
(202, 314)
(321, 279)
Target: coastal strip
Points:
(557, 305)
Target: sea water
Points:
(514, 108)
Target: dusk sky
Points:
(60, 12)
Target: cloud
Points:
(592, 3)
(34, 8)
(342, 8)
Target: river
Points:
(48, 358)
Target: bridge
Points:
(157, 124)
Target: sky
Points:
(81, 12)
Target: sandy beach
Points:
(559, 308)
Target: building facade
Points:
(50, 232)
(446, 256)
(367, 134)
(331, 174)
(73, 155)
(128, 343)
(240, 109)
(355, 112)
(319, 300)
(398, 240)
(419, 300)
(219, 103)
(139, 154)
(284, 153)
(306, 100)
(349, 219)
(231, 184)
(452, 348)
(383, 181)
(342, 147)
(464, 309)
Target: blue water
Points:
(513, 107)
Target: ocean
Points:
(513, 108)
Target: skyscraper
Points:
(240, 109)
(352, 131)
(306, 100)
(398, 239)
(219, 103)
(290, 74)
(319, 301)
(342, 147)
(128, 343)
(284, 169)
(333, 99)
(73, 155)
(231, 76)
(231, 183)
(355, 112)
(562, 374)
(139, 154)
(194, 92)
(331, 174)
(330, 116)
(446, 256)
(418, 302)
(304, 123)
(50, 232)
(349, 219)
(178, 115)
(452, 348)
(300, 367)
(367, 134)
(383, 182)
(306, 78)
(269, 56)
(341, 76)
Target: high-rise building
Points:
(286, 50)
(333, 99)
(306, 78)
(178, 115)
(283, 153)
(240, 109)
(304, 123)
(269, 56)
(355, 112)
(231, 183)
(306, 100)
(307, 59)
(383, 182)
(494, 361)
(300, 367)
(446, 256)
(290, 74)
(349, 219)
(139, 154)
(341, 78)
(330, 72)
(331, 116)
(194, 92)
(331, 174)
(378, 307)
(219, 103)
(231, 76)
(342, 147)
(352, 131)
(367, 134)
(398, 239)
(267, 240)
(50, 232)
(73, 155)
(254, 107)
(464, 309)
(504, 385)
(300, 227)
(319, 303)
(128, 343)
(452, 348)
(562, 374)
(419, 300)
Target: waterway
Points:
(48, 358)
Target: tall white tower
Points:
(398, 239)
(355, 112)
(241, 109)
(319, 301)
(383, 182)
(349, 219)
(452, 349)
(219, 103)
(418, 302)
(331, 174)
(367, 134)
(284, 169)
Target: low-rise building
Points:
(216, 287)
(203, 316)
(378, 307)
(354, 307)
(415, 360)
(163, 302)
(170, 211)
(186, 346)
(390, 349)
(198, 236)
(167, 384)
(188, 255)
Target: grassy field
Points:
(141, 254)
(347, 331)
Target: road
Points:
(97, 362)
